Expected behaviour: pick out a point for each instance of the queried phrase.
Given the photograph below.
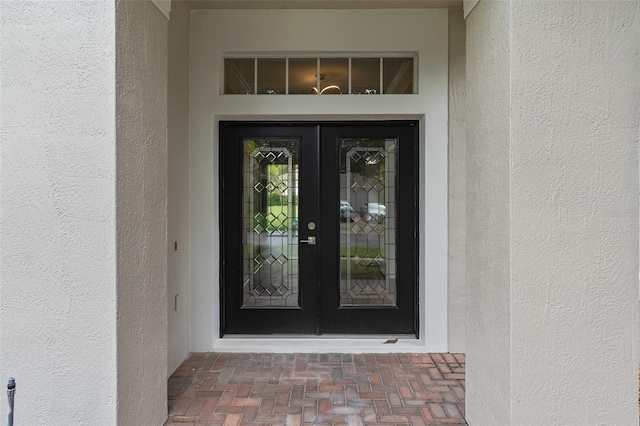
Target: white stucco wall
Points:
(552, 239)
(178, 187)
(57, 211)
(487, 239)
(457, 302)
(216, 31)
(141, 193)
(575, 85)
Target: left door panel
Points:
(269, 190)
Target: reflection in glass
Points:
(365, 76)
(302, 75)
(334, 76)
(270, 218)
(239, 76)
(398, 75)
(367, 222)
(272, 76)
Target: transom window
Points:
(297, 75)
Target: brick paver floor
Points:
(318, 389)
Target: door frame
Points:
(432, 242)
(408, 131)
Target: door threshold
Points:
(320, 344)
(383, 337)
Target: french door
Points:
(318, 226)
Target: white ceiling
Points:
(322, 4)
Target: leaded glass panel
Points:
(368, 222)
(270, 217)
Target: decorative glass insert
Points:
(270, 217)
(299, 75)
(368, 222)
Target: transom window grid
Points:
(299, 75)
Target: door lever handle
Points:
(311, 241)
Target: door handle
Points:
(311, 241)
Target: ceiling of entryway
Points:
(323, 4)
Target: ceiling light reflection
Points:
(333, 86)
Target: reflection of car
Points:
(346, 211)
(373, 212)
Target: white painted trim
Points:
(164, 6)
(468, 6)
(433, 249)
(322, 4)
(338, 344)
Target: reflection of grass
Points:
(365, 267)
(276, 210)
(361, 270)
(277, 225)
(361, 252)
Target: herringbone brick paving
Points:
(318, 389)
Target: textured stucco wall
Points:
(553, 96)
(488, 246)
(178, 196)
(57, 214)
(575, 84)
(141, 191)
(457, 304)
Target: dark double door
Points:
(318, 226)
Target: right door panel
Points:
(368, 211)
